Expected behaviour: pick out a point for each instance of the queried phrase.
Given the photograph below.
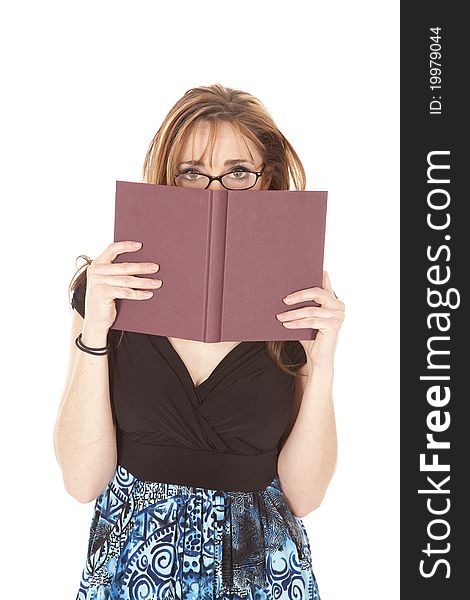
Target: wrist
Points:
(316, 366)
(94, 336)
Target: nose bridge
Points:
(215, 183)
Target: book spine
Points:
(215, 265)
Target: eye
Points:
(190, 174)
(239, 173)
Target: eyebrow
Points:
(227, 162)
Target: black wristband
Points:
(96, 351)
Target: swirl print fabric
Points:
(161, 541)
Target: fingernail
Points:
(287, 300)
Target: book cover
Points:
(227, 258)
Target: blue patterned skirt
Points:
(161, 541)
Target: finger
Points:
(124, 268)
(329, 324)
(131, 281)
(115, 248)
(125, 293)
(327, 282)
(306, 311)
(317, 294)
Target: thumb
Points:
(327, 284)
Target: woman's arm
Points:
(307, 460)
(84, 433)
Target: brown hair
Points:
(212, 105)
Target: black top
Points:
(221, 434)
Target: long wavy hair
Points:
(212, 105)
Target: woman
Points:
(201, 458)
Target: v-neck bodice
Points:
(223, 434)
(227, 357)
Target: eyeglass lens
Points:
(235, 181)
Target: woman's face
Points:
(231, 150)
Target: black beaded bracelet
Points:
(96, 351)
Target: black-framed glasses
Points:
(238, 179)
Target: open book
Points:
(227, 258)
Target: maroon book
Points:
(227, 258)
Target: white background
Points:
(85, 87)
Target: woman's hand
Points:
(107, 280)
(327, 318)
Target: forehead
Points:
(229, 143)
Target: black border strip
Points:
(435, 268)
